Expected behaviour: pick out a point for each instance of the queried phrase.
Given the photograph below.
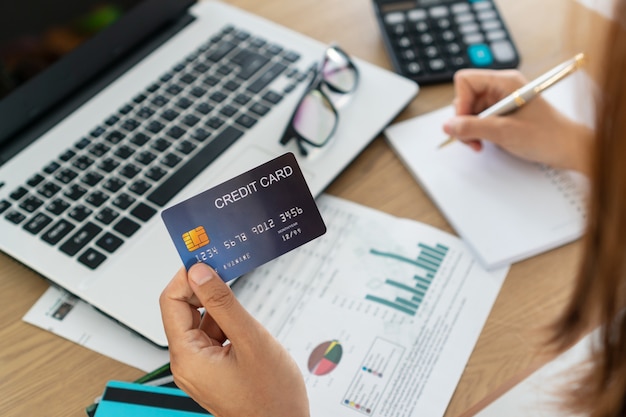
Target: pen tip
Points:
(446, 142)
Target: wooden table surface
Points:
(44, 375)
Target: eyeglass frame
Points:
(316, 84)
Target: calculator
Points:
(429, 40)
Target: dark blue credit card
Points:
(246, 221)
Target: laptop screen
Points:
(35, 34)
(49, 49)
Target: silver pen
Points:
(523, 95)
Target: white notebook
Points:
(506, 209)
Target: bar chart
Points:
(411, 292)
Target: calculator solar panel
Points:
(429, 40)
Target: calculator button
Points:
(408, 54)
(458, 8)
(438, 11)
(394, 18)
(398, 29)
(404, 42)
(464, 18)
(459, 62)
(468, 28)
(503, 51)
(473, 38)
(413, 68)
(421, 26)
(491, 25)
(431, 52)
(496, 35)
(426, 39)
(448, 36)
(443, 24)
(453, 48)
(417, 14)
(480, 55)
(437, 65)
(481, 5)
(487, 15)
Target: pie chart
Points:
(325, 357)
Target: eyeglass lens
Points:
(316, 117)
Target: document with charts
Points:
(505, 208)
(381, 314)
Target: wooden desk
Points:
(44, 375)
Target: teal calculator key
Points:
(480, 55)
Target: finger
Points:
(177, 313)
(477, 89)
(210, 327)
(220, 302)
(468, 128)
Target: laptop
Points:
(109, 114)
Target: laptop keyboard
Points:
(99, 192)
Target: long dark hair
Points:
(600, 293)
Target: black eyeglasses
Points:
(315, 119)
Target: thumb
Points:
(468, 128)
(220, 303)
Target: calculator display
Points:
(429, 40)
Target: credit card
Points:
(127, 399)
(246, 221)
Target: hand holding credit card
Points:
(246, 221)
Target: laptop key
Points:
(222, 50)
(250, 62)
(130, 171)
(97, 198)
(49, 189)
(172, 185)
(245, 121)
(143, 212)
(156, 173)
(92, 178)
(80, 238)
(140, 139)
(75, 192)
(65, 176)
(14, 217)
(35, 180)
(171, 160)
(51, 167)
(37, 223)
(80, 213)
(83, 162)
(91, 258)
(108, 165)
(267, 77)
(57, 206)
(145, 157)
(126, 226)
(106, 215)
(31, 204)
(109, 242)
(139, 187)
(18, 193)
(123, 201)
(4, 205)
(57, 232)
